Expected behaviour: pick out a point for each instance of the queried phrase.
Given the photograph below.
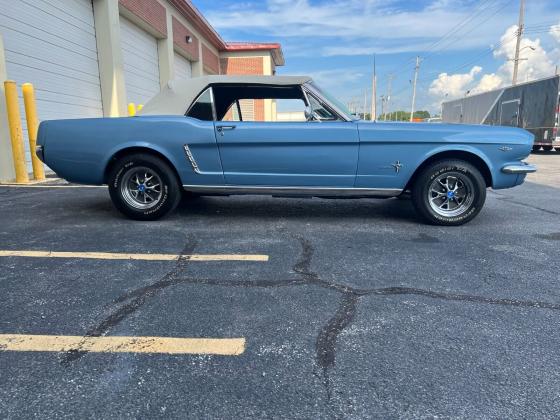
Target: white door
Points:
(182, 67)
(52, 44)
(141, 63)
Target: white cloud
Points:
(535, 63)
(353, 27)
(555, 32)
(488, 82)
(453, 85)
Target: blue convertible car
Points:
(281, 136)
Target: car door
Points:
(287, 153)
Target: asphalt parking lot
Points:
(332, 308)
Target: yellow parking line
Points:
(124, 256)
(161, 345)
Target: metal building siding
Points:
(182, 67)
(52, 44)
(141, 63)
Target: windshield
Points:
(340, 106)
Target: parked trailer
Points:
(534, 106)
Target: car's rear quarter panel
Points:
(80, 150)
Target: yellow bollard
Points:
(131, 109)
(139, 107)
(32, 126)
(16, 133)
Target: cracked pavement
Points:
(361, 311)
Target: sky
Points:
(465, 46)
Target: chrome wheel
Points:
(141, 188)
(450, 195)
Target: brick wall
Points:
(242, 65)
(180, 33)
(248, 66)
(210, 60)
(150, 12)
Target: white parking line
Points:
(125, 256)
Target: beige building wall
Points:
(197, 66)
(7, 172)
(111, 73)
(106, 13)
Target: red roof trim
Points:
(236, 46)
(274, 48)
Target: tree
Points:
(403, 115)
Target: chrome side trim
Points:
(305, 191)
(190, 157)
(520, 168)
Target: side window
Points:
(320, 112)
(255, 110)
(259, 103)
(289, 110)
(232, 113)
(202, 108)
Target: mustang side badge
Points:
(397, 165)
(505, 148)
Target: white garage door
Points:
(52, 45)
(141, 64)
(182, 67)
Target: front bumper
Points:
(519, 168)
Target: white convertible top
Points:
(178, 95)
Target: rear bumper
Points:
(519, 168)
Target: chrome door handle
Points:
(222, 128)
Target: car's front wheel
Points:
(449, 192)
(143, 187)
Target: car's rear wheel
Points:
(547, 148)
(536, 148)
(143, 187)
(449, 192)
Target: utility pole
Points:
(365, 104)
(388, 98)
(373, 116)
(416, 68)
(518, 43)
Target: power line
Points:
(450, 40)
(445, 41)
(488, 17)
(399, 66)
(433, 49)
(472, 60)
